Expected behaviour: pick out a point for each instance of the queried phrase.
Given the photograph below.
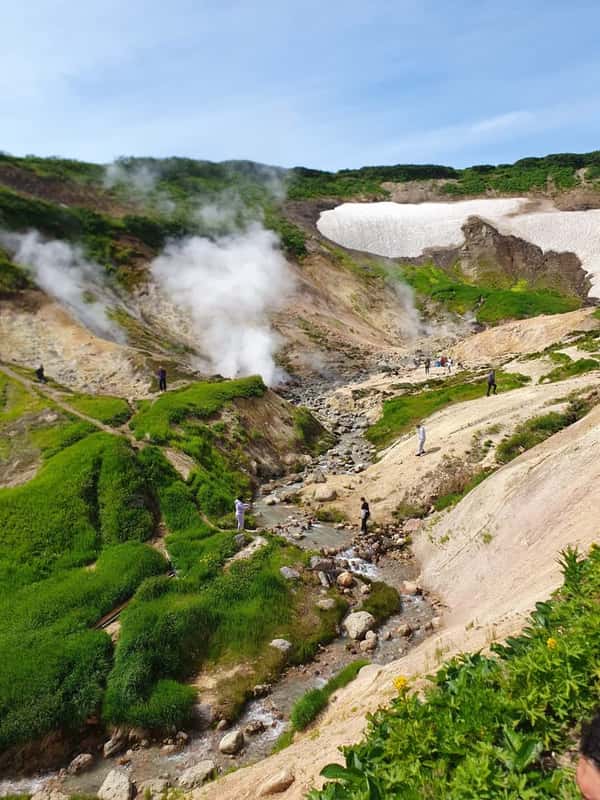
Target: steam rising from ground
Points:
(229, 287)
(62, 271)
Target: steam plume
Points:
(229, 286)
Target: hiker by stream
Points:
(421, 436)
(365, 513)
(240, 512)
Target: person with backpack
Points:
(365, 513)
(162, 379)
(491, 382)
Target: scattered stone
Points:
(254, 727)
(345, 580)
(232, 742)
(115, 744)
(153, 789)
(282, 644)
(404, 630)
(436, 623)
(365, 588)
(318, 476)
(323, 580)
(327, 603)
(168, 749)
(411, 587)
(324, 494)
(197, 775)
(387, 636)
(261, 689)
(222, 725)
(368, 645)
(371, 635)
(290, 574)
(358, 623)
(116, 786)
(321, 564)
(277, 783)
(239, 540)
(182, 737)
(271, 500)
(202, 716)
(80, 763)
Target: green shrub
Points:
(309, 706)
(382, 601)
(169, 705)
(570, 369)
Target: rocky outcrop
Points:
(486, 253)
(232, 742)
(197, 774)
(358, 623)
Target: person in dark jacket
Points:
(491, 382)
(162, 379)
(39, 374)
(365, 513)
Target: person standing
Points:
(491, 382)
(449, 365)
(365, 513)
(427, 366)
(39, 374)
(421, 436)
(162, 379)
(240, 512)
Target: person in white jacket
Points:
(421, 435)
(240, 511)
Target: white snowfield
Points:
(407, 230)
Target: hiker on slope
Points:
(421, 436)
(162, 379)
(491, 382)
(427, 366)
(240, 511)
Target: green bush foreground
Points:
(490, 726)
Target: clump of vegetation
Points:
(538, 429)
(402, 413)
(310, 434)
(330, 515)
(489, 726)
(490, 304)
(569, 369)
(382, 601)
(12, 277)
(109, 410)
(310, 705)
(458, 484)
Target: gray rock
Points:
(345, 580)
(197, 775)
(116, 786)
(324, 494)
(254, 727)
(358, 623)
(239, 540)
(410, 587)
(290, 574)
(153, 789)
(277, 783)
(282, 644)
(321, 564)
(323, 579)
(271, 500)
(318, 476)
(202, 716)
(115, 744)
(232, 742)
(80, 763)
(327, 603)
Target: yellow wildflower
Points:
(551, 643)
(401, 683)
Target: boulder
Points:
(202, 716)
(290, 574)
(324, 494)
(326, 604)
(318, 476)
(115, 744)
(254, 727)
(197, 774)
(277, 783)
(410, 587)
(412, 525)
(320, 564)
(405, 629)
(282, 644)
(80, 763)
(271, 500)
(345, 580)
(153, 789)
(358, 623)
(323, 579)
(116, 786)
(232, 742)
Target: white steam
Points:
(229, 287)
(63, 272)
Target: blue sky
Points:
(327, 84)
